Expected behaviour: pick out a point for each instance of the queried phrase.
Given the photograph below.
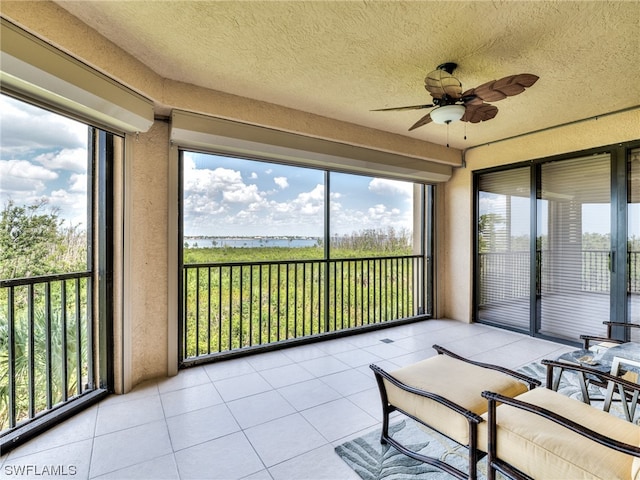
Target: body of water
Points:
(246, 242)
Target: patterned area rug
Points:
(373, 461)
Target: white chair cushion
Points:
(543, 449)
(459, 382)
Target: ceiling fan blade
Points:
(410, 107)
(505, 87)
(440, 83)
(479, 113)
(469, 98)
(423, 121)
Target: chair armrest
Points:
(492, 397)
(532, 382)
(604, 376)
(380, 373)
(587, 339)
(622, 324)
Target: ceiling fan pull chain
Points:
(448, 134)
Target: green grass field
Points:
(273, 294)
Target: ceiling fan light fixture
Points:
(447, 113)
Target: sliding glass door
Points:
(558, 244)
(504, 238)
(574, 245)
(633, 240)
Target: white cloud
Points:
(73, 204)
(22, 181)
(10, 169)
(302, 215)
(347, 220)
(201, 204)
(383, 186)
(315, 195)
(206, 190)
(306, 203)
(281, 182)
(78, 182)
(381, 212)
(24, 128)
(235, 200)
(43, 156)
(65, 159)
(241, 193)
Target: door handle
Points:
(612, 261)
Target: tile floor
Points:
(271, 416)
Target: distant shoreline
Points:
(237, 241)
(250, 237)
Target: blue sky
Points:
(43, 156)
(230, 196)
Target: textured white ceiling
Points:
(342, 59)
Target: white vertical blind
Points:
(503, 248)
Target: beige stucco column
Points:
(145, 324)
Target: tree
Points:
(34, 242)
(487, 231)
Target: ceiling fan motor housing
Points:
(445, 100)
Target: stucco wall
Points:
(456, 261)
(146, 188)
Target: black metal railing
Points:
(234, 306)
(505, 275)
(633, 267)
(46, 344)
(596, 271)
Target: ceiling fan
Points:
(452, 104)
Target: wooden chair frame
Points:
(495, 464)
(587, 339)
(628, 399)
(594, 375)
(629, 391)
(473, 419)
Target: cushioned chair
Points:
(620, 380)
(544, 434)
(598, 342)
(598, 352)
(444, 393)
(621, 360)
